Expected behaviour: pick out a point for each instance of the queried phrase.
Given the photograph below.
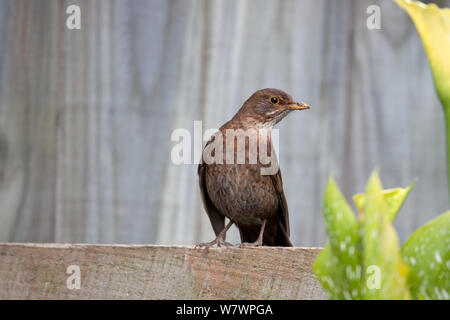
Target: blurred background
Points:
(86, 115)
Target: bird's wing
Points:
(217, 219)
(284, 216)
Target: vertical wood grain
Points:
(86, 115)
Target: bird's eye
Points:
(274, 100)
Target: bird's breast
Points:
(241, 193)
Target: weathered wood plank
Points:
(38, 271)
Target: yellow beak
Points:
(298, 106)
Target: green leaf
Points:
(393, 198)
(381, 249)
(338, 265)
(340, 220)
(433, 25)
(427, 253)
(325, 271)
(363, 258)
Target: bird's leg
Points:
(259, 241)
(219, 240)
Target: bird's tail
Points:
(274, 235)
(282, 238)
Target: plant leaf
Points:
(433, 25)
(381, 249)
(338, 265)
(427, 253)
(340, 220)
(394, 199)
(325, 271)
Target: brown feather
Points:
(216, 218)
(239, 191)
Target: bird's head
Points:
(269, 106)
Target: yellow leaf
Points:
(394, 199)
(433, 25)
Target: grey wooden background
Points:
(86, 115)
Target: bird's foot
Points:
(223, 243)
(257, 243)
(219, 241)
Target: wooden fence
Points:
(51, 271)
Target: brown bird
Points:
(233, 184)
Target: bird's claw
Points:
(223, 243)
(219, 241)
(251, 244)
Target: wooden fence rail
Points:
(50, 271)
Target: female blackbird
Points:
(239, 175)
